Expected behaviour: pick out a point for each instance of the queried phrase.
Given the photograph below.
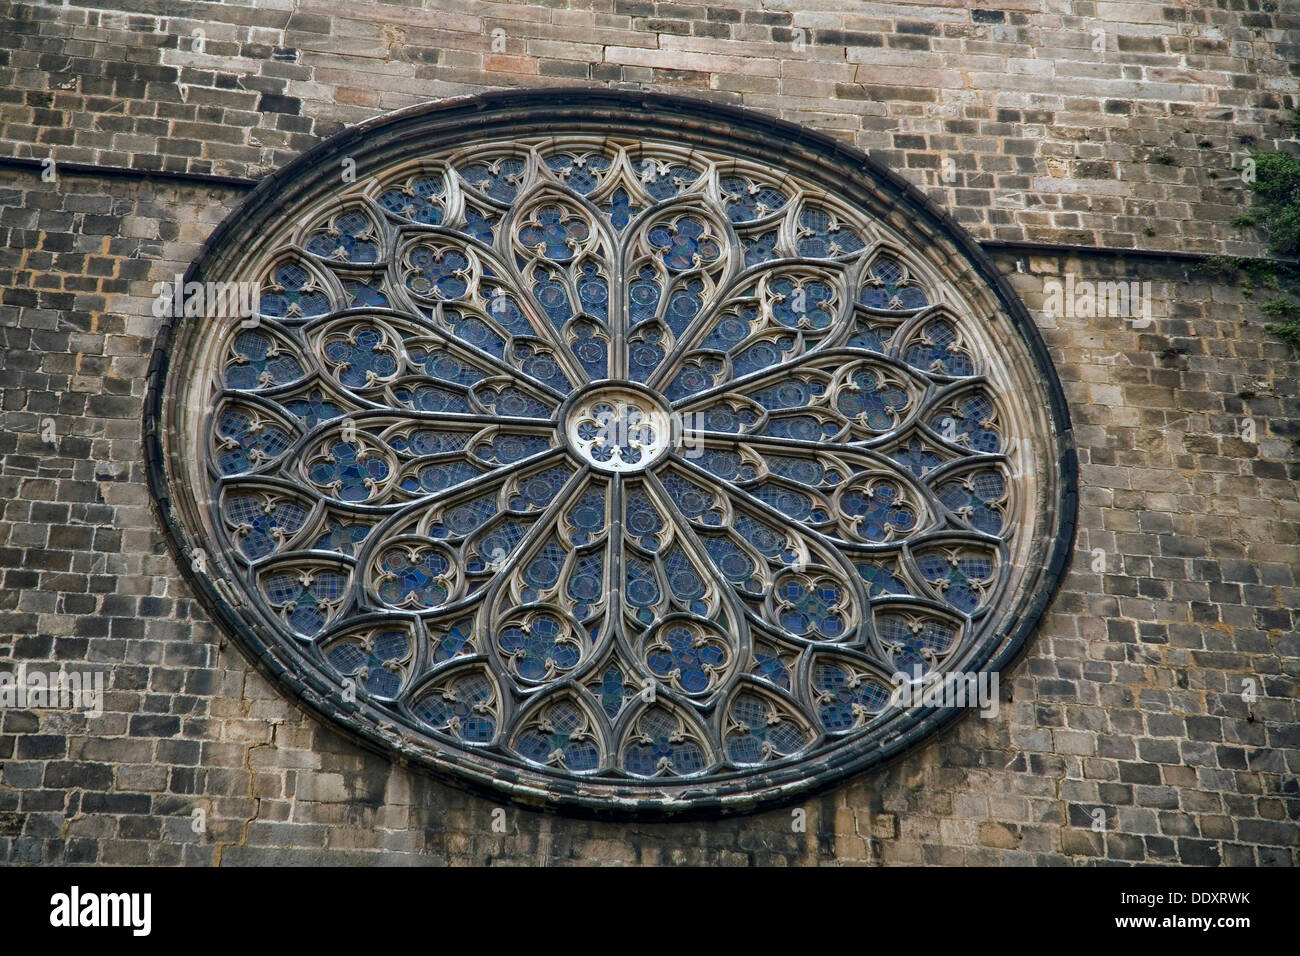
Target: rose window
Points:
(609, 459)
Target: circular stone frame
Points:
(840, 169)
(666, 428)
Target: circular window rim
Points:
(536, 112)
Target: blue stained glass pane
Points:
(620, 209)
(516, 403)
(378, 666)
(465, 517)
(745, 200)
(445, 367)
(305, 597)
(724, 464)
(350, 472)
(970, 421)
(555, 233)
(561, 737)
(591, 349)
(419, 200)
(293, 293)
(428, 441)
(938, 351)
(480, 225)
(824, 236)
(474, 331)
(463, 709)
(506, 313)
(731, 330)
(431, 398)
(807, 305)
(685, 244)
(259, 361)
(641, 588)
(366, 295)
(806, 471)
(800, 428)
(586, 584)
(788, 394)
(870, 336)
(349, 238)
(493, 549)
(263, 527)
(691, 500)
(611, 692)
(542, 572)
(844, 699)
(664, 180)
(643, 295)
(762, 733)
(762, 355)
(759, 248)
(661, 748)
(684, 305)
(362, 360)
(582, 174)
(418, 580)
(917, 458)
(540, 649)
(508, 448)
(960, 578)
(313, 410)
(812, 610)
(343, 538)
(439, 477)
(684, 580)
(913, 644)
(694, 657)
(770, 667)
(499, 179)
(792, 504)
(879, 511)
(454, 641)
(588, 515)
(645, 353)
(889, 289)
(542, 367)
(880, 579)
(734, 564)
(438, 273)
(643, 520)
(247, 444)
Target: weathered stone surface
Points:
(1128, 700)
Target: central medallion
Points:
(619, 428)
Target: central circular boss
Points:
(618, 428)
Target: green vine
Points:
(1276, 211)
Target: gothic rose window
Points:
(613, 452)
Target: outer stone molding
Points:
(1035, 450)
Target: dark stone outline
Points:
(532, 112)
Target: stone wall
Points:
(1055, 132)
(1129, 699)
